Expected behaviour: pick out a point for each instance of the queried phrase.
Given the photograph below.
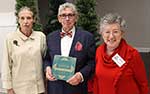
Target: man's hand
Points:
(75, 79)
(49, 75)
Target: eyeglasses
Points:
(67, 15)
(114, 33)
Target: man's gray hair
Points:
(112, 18)
(67, 5)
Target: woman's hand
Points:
(10, 91)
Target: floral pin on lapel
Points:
(15, 42)
(78, 46)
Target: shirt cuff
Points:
(6, 84)
(81, 76)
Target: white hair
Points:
(67, 5)
(112, 18)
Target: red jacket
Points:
(130, 78)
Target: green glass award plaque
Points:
(63, 67)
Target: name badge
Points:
(118, 60)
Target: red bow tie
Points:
(63, 34)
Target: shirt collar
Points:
(73, 29)
(23, 37)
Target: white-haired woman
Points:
(119, 67)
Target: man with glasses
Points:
(70, 41)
